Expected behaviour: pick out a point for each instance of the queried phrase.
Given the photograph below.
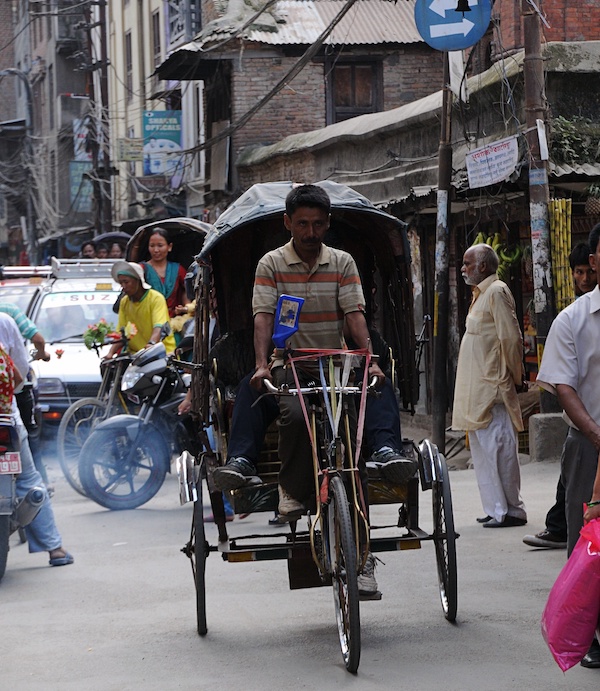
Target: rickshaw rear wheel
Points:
(344, 575)
(444, 538)
(199, 553)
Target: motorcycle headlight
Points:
(130, 379)
(50, 386)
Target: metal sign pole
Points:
(442, 269)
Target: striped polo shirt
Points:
(331, 289)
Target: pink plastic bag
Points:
(571, 614)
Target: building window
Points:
(156, 49)
(128, 66)
(354, 88)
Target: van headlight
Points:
(50, 386)
(130, 379)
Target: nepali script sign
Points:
(492, 163)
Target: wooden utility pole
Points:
(442, 269)
(539, 196)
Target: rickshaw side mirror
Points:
(287, 317)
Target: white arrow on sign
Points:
(442, 6)
(438, 30)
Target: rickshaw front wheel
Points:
(444, 538)
(344, 575)
(199, 554)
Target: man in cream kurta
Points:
(489, 372)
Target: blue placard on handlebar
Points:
(287, 317)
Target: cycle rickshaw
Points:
(332, 547)
(81, 418)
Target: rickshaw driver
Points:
(328, 280)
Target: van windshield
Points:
(66, 316)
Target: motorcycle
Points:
(123, 463)
(15, 512)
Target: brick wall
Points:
(409, 73)
(298, 107)
(569, 20)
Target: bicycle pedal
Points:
(364, 597)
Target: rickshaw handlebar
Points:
(285, 390)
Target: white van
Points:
(77, 294)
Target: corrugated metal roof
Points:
(561, 169)
(300, 22)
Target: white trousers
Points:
(496, 461)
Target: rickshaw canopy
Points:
(186, 234)
(265, 201)
(253, 225)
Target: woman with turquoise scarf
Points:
(168, 278)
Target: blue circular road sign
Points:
(443, 28)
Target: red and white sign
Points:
(492, 163)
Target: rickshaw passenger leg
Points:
(384, 437)
(249, 422)
(236, 473)
(248, 427)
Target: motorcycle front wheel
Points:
(120, 473)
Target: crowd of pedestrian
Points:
(489, 376)
(100, 250)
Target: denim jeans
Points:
(42, 534)
(249, 423)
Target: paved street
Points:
(122, 617)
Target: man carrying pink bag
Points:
(572, 613)
(571, 369)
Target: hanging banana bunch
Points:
(479, 239)
(507, 256)
(559, 212)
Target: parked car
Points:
(77, 294)
(19, 285)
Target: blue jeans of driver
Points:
(249, 423)
(42, 534)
